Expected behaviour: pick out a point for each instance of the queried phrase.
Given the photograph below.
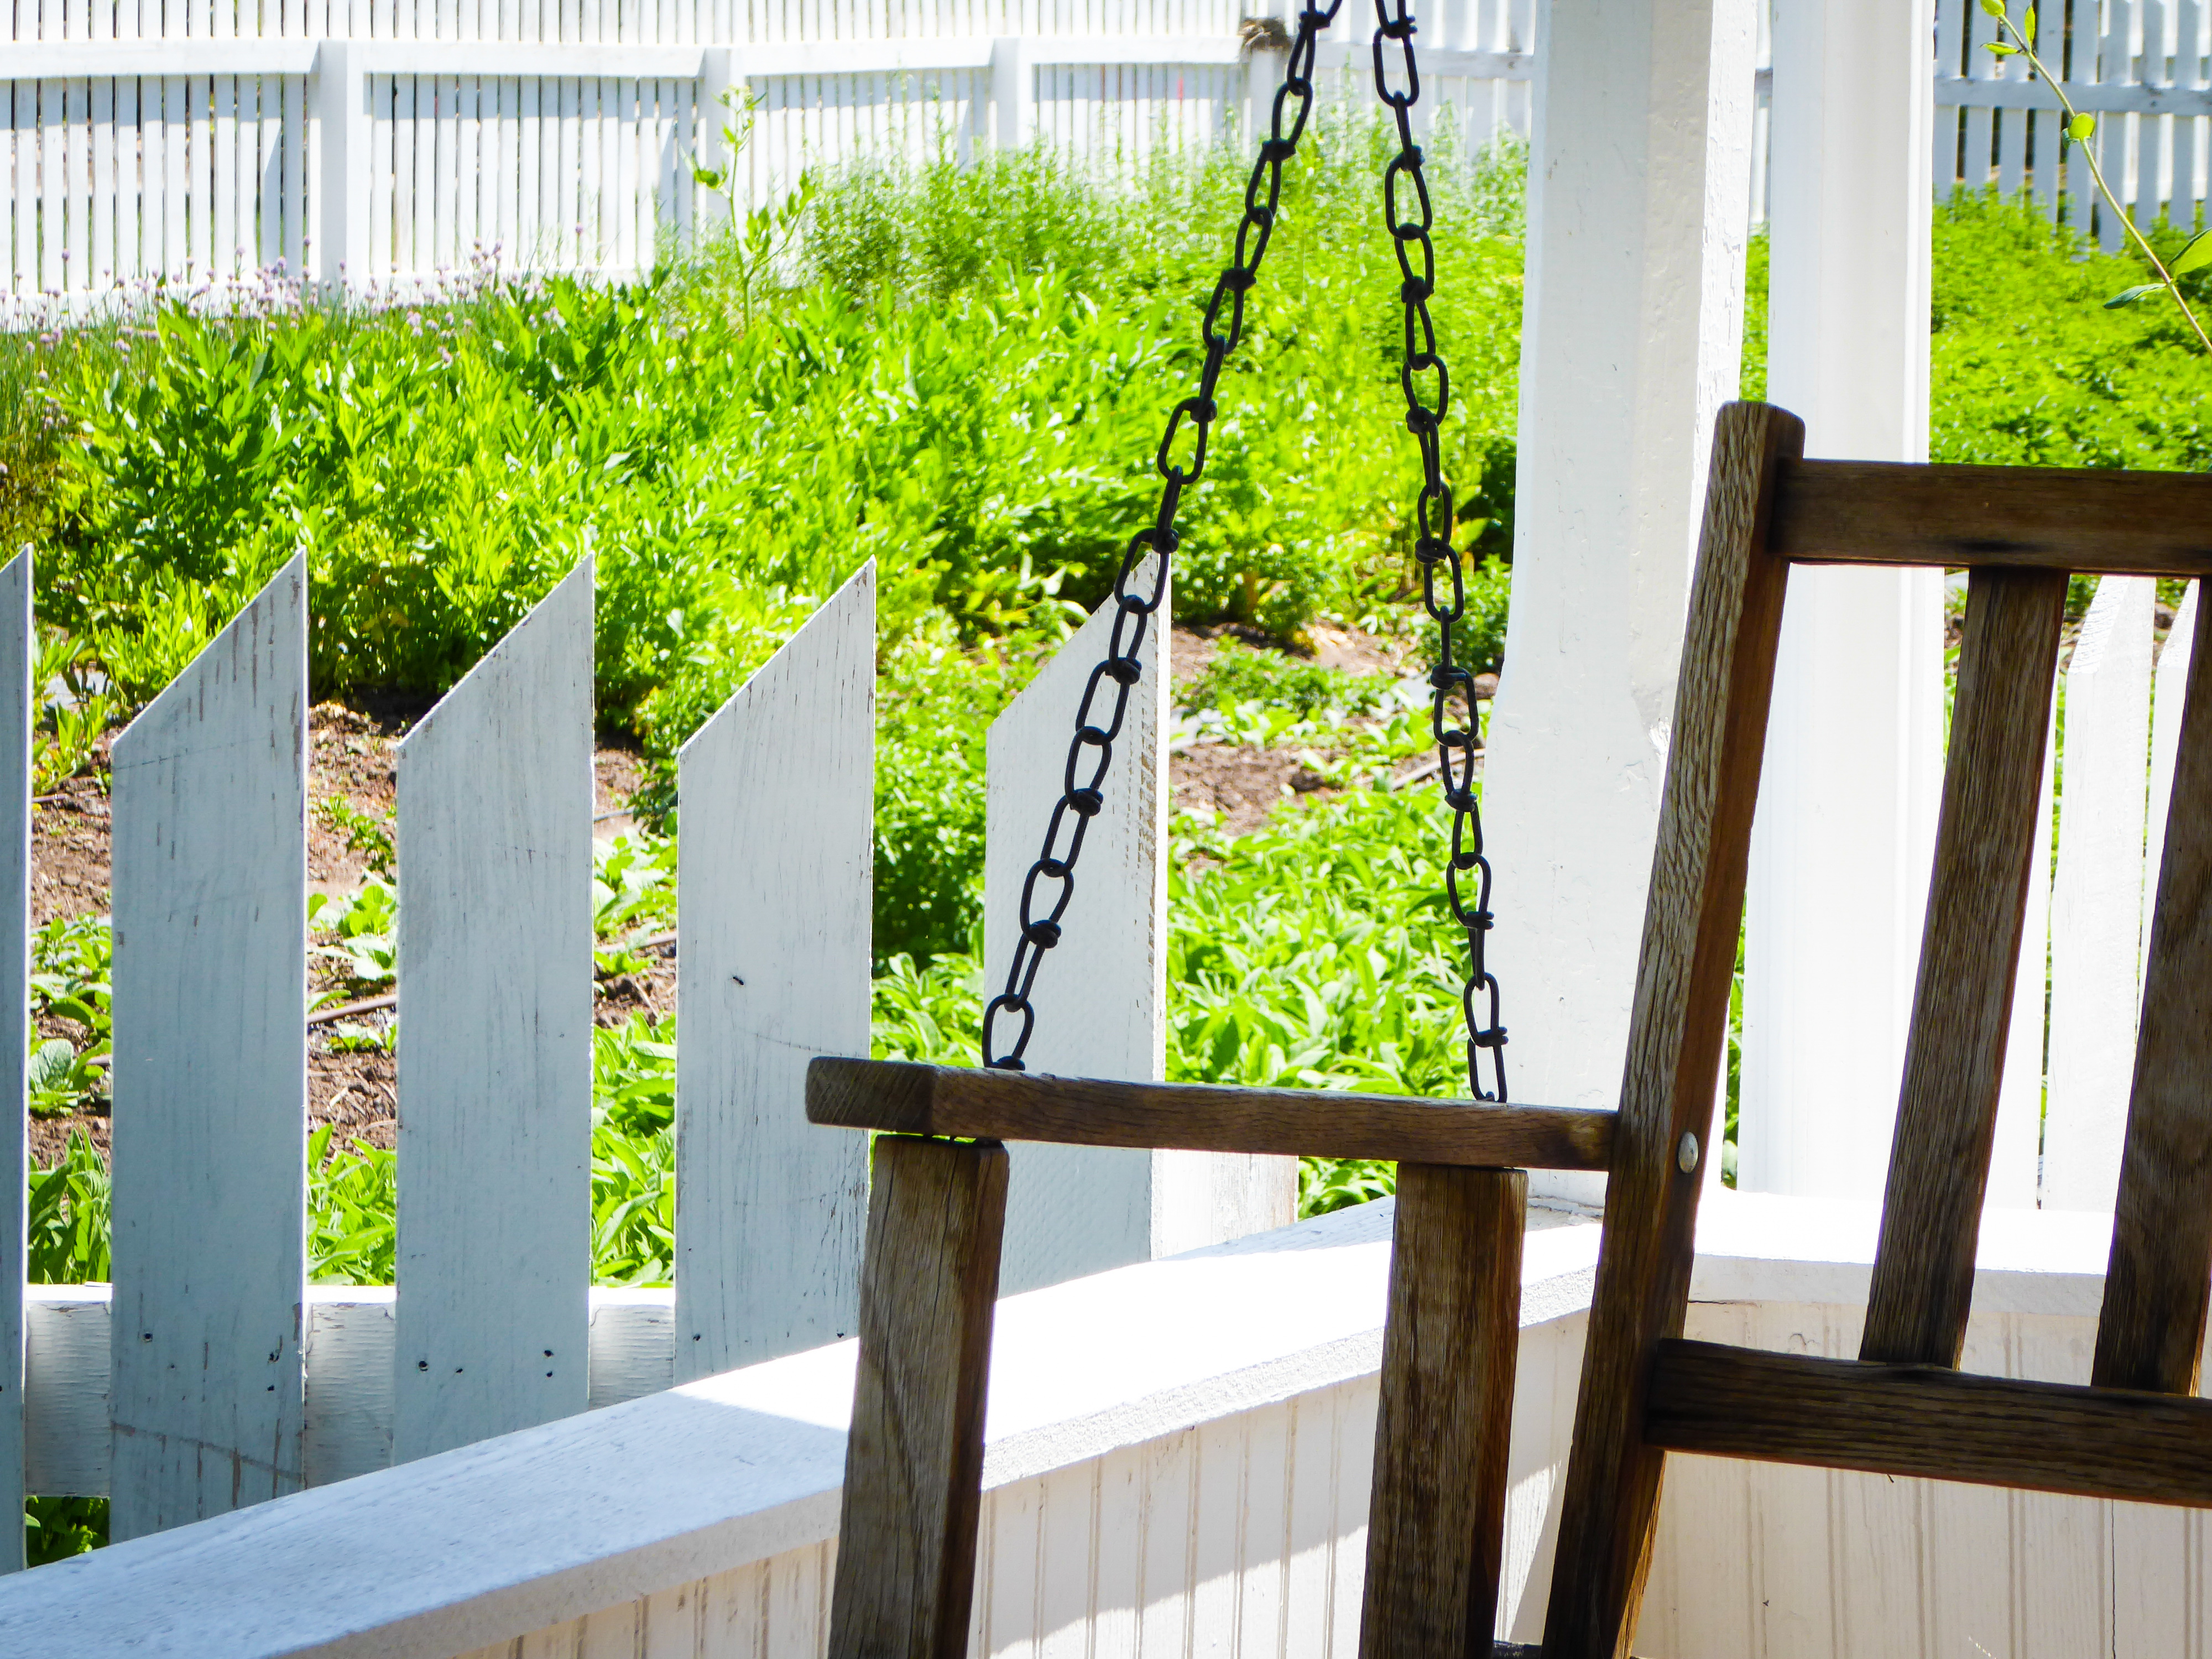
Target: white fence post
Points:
(1101, 996)
(494, 1247)
(19, 656)
(1014, 92)
(2097, 897)
(341, 103)
(773, 896)
(209, 1127)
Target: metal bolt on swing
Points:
(1083, 784)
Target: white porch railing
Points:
(1178, 1461)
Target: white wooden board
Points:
(2096, 900)
(1101, 996)
(495, 992)
(2016, 1151)
(18, 652)
(776, 793)
(209, 1149)
(2172, 677)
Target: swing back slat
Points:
(1901, 1408)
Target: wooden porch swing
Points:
(912, 1493)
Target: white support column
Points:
(773, 892)
(2097, 897)
(19, 654)
(211, 1076)
(2167, 692)
(1014, 92)
(1638, 187)
(721, 72)
(342, 106)
(1846, 821)
(495, 1245)
(1101, 997)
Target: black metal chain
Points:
(1082, 786)
(1453, 727)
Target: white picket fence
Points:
(222, 1380)
(399, 144)
(2144, 67)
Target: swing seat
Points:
(912, 1485)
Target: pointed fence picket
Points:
(495, 1244)
(18, 652)
(773, 879)
(1101, 997)
(2096, 902)
(210, 1075)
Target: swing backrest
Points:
(1903, 1407)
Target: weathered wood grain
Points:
(1939, 1166)
(19, 655)
(913, 1462)
(2152, 1331)
(210, 1075)
(493, 1254)
(1930, 1421)
(1691, 926)
(1436, 1519)
(2098, 906)
(2061, 519)
(905, 1098)
(773, 894)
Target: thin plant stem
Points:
(2097, 173)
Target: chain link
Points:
(1451, 715)
(1092, 751)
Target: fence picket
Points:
(2015, 1153)
(495, 1244)
(774, 896)
(1101, 998)
(209, 1078)
(2096, 907)
(19, 650)
(2168, 682)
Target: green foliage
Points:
(2030, 369)
(55, 1528)
(70, 963)
(633, 897)
(364, 833)
(352, 1206)
(68, 1217)
(1238, 674)
(362, 929)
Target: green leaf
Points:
(708, 177)
(2027, 26)
(2195, 255)
(54, 1065)
(2127, 296)
(2080, 127)
(2000, 48)
(1995, 8)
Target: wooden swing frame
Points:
(913, 1488)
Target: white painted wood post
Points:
(1853, 771)
(1101, 997)
(341, 93)
(210, 1075)
(1014, 92)
(1639, 177)
(2016, 1153)
(19, 656)
(721, 73)
(2172, 679)
(774, 894)
(2096, 906)
(494, 1247)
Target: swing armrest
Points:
(900, 1097)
